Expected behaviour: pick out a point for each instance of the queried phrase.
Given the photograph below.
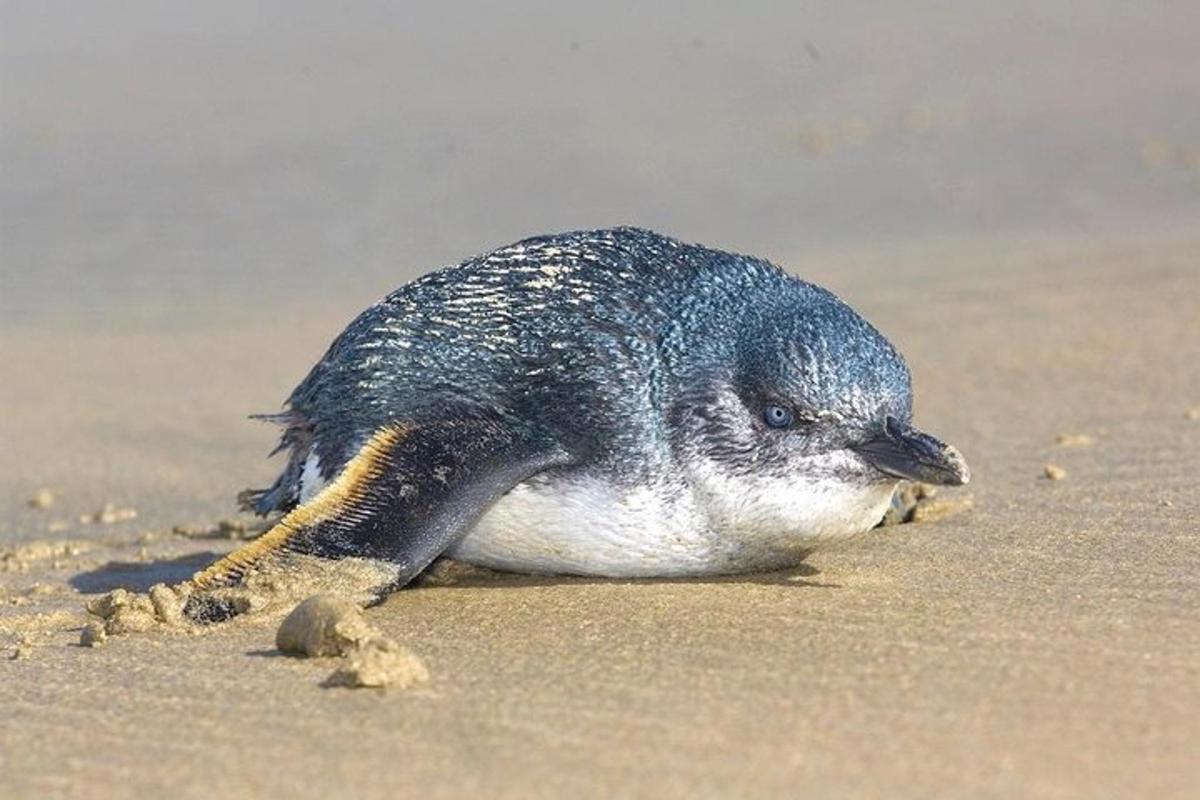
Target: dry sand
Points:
(194, 204)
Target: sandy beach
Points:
(193, 209)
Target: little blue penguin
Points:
(607, 402)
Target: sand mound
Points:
(323, 625)
(380, 663)
(327, 625)
(121, 611)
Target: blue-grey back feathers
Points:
(589, 339)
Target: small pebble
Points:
(905, 502)
(93, 635)
(1074, 440)
(109, 515)
(42, 499)
(23, 649)
(934, 510)
(1054, 472)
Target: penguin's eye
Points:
(777, 416)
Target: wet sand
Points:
(195, 204)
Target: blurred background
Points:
(162, 160)
(197, 197)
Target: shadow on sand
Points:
(139, 576)
(461, 576)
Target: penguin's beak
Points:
(903, 452)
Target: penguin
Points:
(607, 402)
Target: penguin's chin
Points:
(825, 498)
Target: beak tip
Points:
(957, 466)
(911, 455)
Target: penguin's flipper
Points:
(408, 494)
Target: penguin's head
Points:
(805, 427)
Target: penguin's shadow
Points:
(139, 576)
(465, 577)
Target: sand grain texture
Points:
(1043, 643)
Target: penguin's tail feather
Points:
(284, 494)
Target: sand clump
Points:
(122, 612)
(941, 508)
(108, 514)
(22, 558)
(168, 604)
(92, 635)
(1074, 440)
(326, 625)
(921, 502)
(280, 579)
(1053, 472)
(323, 625)
(379, 663)
(22, 649)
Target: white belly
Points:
(589, 527)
